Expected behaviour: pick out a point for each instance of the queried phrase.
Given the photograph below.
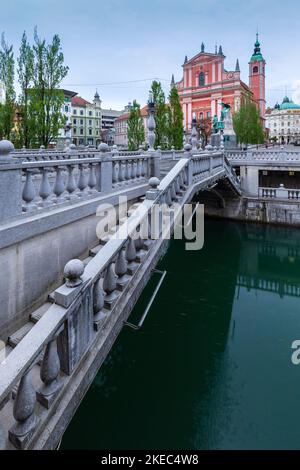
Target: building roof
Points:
(78, 101)
(125, 116)
(69, 93)
(288, 104)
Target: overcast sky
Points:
(109, 41)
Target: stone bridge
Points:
(66, 290)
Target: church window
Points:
(201, 79)
(255, 69)
(208, 114)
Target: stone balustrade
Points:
(279, 193)
(83, 305)
(34, 184)
(96, 297)
(263, 156)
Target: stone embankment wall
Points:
(256, 210)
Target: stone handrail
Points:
(88, 300)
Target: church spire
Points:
(185, 59)
(172, 80)
(237, 66)
(220, 50)
(257, 55)
(202, 47)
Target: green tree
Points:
(25, 77)
(46, 99)
(135, 127)
(7, 69)
(247, 125)
(175, 120)
(161, 115)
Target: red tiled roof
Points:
(78, 101)
(124, 117)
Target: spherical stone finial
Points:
(42, 148)
(154, 182)
(103, 147)
(6, 146)
(72, 147)
(209, 147)
(187, 147)
(73, 272)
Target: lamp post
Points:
(151, 122)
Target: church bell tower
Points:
(257, 77)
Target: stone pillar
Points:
(194, 134)
(10, 182)
(249, 180)
(106, 168)
(151, 122)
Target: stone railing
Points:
(29, 186)
(279, 193)
(263, 156)
(54, 348)
(37, 372)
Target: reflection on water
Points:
(211, 367)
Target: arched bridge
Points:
(56, 333)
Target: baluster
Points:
(122, 172)
(134, 170)
(49, 373)
(145, 168)
(45, 188)
(173, 192)
(98, 304)
(24, 413)
(109, 287)
(115, 174)
(92, 179)
(131, 257)
(121, 270)
(145, 232)
(28, 193)
(71, 185)
(168, 197)
(82, 183)
(138, 168)
(59, 185)
(139, 246)
(128, 171)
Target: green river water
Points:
(211, 367)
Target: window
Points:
(208, 114)
(201, 79)
(90, 122)
(74, 130)
(255, 69)
(90, 132)
(90, 113)
(66, 109)
(81, 112)
(81, 122)
(74, 111)
(81, 131)
(201, 115)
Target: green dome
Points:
(288, 104)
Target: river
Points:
(211, 367)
